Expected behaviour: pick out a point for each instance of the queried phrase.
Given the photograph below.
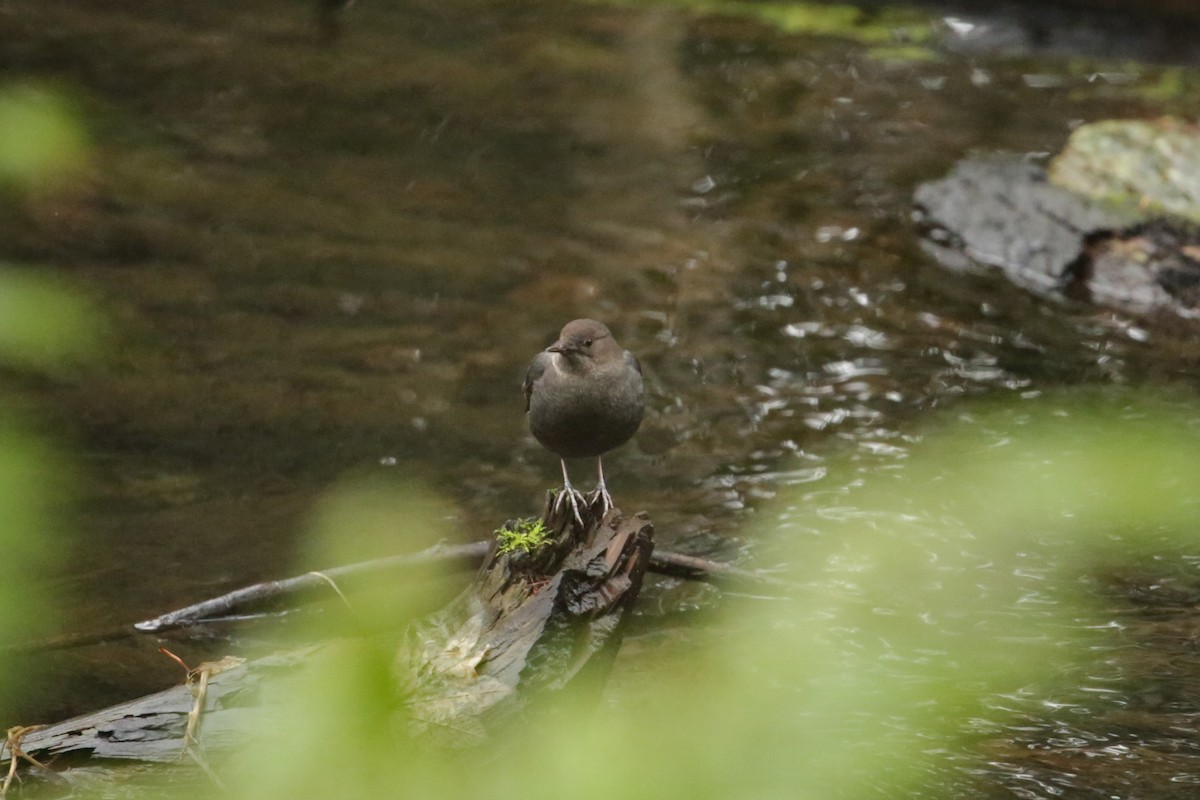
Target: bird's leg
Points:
(606, 501)
(570, 493)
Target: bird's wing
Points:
(536, 369)
(632, 361)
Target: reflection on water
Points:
(340, 259)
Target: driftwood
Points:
(528, 624)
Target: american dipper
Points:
(584, 398)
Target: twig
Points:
(197, 683)
(333, 585)
(12, 741)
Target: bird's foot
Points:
(569, 497)
(601, 494)
(600, 501)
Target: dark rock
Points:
(1002, 212)
(1155, 265)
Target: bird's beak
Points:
(566, 348)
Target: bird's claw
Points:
(572, 499)
(606, 501)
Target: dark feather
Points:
(531, 376)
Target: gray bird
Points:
(584, 396)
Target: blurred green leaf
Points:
(29, 475)
(367, 518)
(359, 519)
(43, 323)
(924, 599)
(332, 735)
(41, 137)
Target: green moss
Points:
(1168, 85)
(1145, 164)
(845, 21)
(525, 535)
(903, 54)
(875, 29)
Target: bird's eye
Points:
(587, 342)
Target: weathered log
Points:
(153, 728)
(529, 622)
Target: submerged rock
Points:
(1104, 246)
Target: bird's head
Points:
(584, 338)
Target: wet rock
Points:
(1006, 213)
(1155, 265)
(1003, 212)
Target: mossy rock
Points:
(1153, 165)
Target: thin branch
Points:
(663, 562)
(258, 592)
(666, 562)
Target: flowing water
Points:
(330, 259)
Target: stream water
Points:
(324, 260)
